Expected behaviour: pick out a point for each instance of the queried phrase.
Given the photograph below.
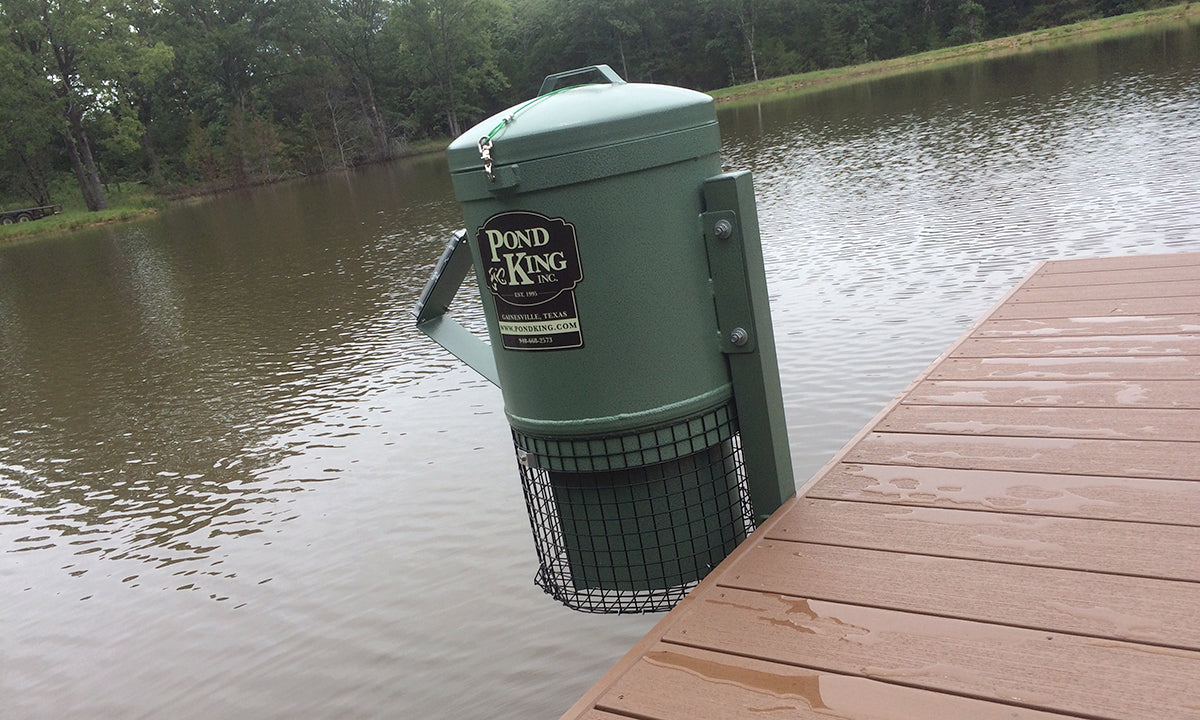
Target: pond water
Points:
(235, 482)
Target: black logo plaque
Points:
(531, 267)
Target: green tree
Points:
(232, 91)
(1060, 12)
(452, 64)
(222, 46)
(67, 40)
(970, 22)
(237, 68)
(91, 55)
(145, 87)
(852, 33)
(351, 35)
(27, 121)
(199, 157)
(743, 16)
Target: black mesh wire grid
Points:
(630, 523)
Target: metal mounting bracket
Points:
(739, 282)
(731, 293)
(432, 316)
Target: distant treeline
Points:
(185, 93)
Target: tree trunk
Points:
(39, 188)
(156, 176)
(337, 131)
(83, 164)
(145, 116)
(379, 127)
(89, 198)
(753, 57)
(82, 161)
(745, 19)
(451, 103)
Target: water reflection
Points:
(229, 400)
(153, 390)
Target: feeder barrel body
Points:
(623, 165)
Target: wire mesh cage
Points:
(630, 523)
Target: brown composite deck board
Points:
(1127, 291)
(1097, 423)
(1119, 499)
(1114, 277)
(1060, 393)
(1119, 458)
(1120, 325)
(1086, 346)
(1016, 536)
(1103, 368)
(1130, 548)
(1124, 263)
(675, 682)
(1107, 307)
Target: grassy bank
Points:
(129, 201)
(1086, 31)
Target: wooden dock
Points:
(1016, 536)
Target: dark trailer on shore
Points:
(8, 217)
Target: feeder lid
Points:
(569, 118)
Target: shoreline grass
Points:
(1084, 31)
(128, 201)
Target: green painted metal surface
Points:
(431, 310)
(623, 165)
(581, 118)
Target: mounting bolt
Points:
(723, 229)
(739, 336)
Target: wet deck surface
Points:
(1016, 536)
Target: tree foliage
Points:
(228, 92)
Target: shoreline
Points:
(814, 81)
(1085, 30)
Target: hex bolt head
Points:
(739, 337)
(723, 229)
